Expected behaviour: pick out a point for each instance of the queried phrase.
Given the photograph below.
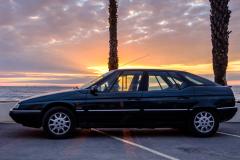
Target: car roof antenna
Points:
(134, 60)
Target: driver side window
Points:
(129, 81)
(106, 84)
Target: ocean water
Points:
(15, 93)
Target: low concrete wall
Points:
(6, 106)
(236, 118)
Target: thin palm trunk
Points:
(113, 42)
(220, 15)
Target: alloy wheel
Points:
(59, 123)
(204, 122)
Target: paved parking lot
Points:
(22, 143)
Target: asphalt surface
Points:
(22, 143)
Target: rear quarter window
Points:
(196, 80)
(177, 80)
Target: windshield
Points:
(96, 80)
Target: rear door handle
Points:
(183, 98)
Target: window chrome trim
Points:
(108, 110)
(227, 107)
(80, 110)
(113, 110)
(165, 109)
(129, 110)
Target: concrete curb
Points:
(236, 118)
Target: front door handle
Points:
(183, 98)
(133, 99)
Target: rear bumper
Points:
(227, 113)
(30, 118)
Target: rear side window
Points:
(162, 82)
(153, 83)
(158, 81)
(177, 80)
(196, 80)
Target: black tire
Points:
(204, 128)
(66, 125)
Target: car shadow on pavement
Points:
(32, 133)
(18, 131)
(29, 133)
(163, 132)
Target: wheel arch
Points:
(205, 108)
(69, 106)
(53, 108)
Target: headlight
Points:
(16, 106)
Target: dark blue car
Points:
(132, 98)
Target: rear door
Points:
(166, 99)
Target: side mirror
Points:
(94, 90)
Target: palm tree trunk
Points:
(113, 43)
(220, 15)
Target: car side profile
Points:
(132, 98)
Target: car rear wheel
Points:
(59, 122)
(204, 123)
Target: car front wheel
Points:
(204, 123)
(59, 122)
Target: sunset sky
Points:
(65, 42)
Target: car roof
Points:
(140, 69)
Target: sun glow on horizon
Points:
(77, 79)
(233, 66)
(43, 79)
(200, 69)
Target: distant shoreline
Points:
(9, 101)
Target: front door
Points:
(117, 101)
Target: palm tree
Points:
(220, 15)
(113, 42)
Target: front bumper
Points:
(30, 118)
